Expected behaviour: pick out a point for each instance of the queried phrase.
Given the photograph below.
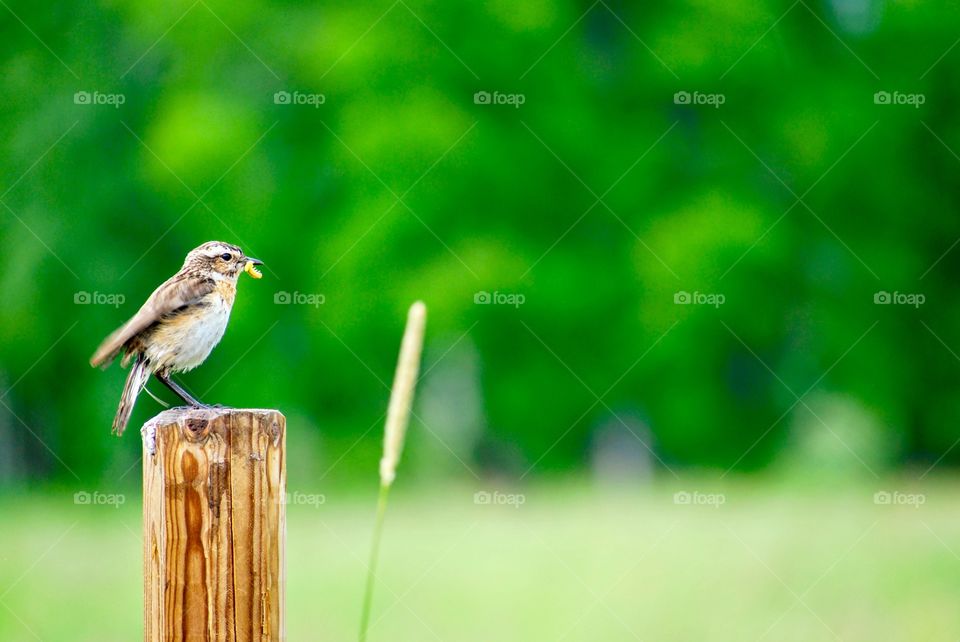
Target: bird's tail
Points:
(136, 380)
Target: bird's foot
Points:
(206, 406)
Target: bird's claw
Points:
(207, 406)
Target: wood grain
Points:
(214, 488)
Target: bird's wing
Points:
(178, 291)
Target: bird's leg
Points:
(179, 391)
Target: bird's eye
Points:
(226, 257)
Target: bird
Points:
(178, 326)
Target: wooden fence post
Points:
(214, 525)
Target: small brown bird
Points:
(179, 325)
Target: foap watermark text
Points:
(896, 498)
(696, 498)
(496, 498)
(498, 298)
(304, 499)
(299, 98)
(498, 98)
(98, 298)
(97, 98)
(96, 498)
(915, 299)
(699, 298)
(899, 98)
(299, 298)
(699, 98)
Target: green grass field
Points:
(573, 562)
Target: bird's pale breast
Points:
(184, 340)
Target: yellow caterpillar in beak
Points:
(252, 271)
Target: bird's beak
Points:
(254, 261)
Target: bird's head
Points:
(222, 260)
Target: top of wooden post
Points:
(196, 421)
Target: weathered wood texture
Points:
(214, 525)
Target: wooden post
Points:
(214, 525)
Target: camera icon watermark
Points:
(98, 298)
(496, 498)
(97, 98)
(899, 298)
(299, 298)
(96, 498)
(699, 98)
(896, 498)
(899, 98)
(696, 498)
(299, 98)
(498, 298)
(683, 297)
(497, 98)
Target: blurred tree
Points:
(795, 196)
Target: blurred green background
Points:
(689, 248)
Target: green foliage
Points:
(495, 198)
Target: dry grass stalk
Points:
(401, 396)
(398, 416)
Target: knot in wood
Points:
(197, 428)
